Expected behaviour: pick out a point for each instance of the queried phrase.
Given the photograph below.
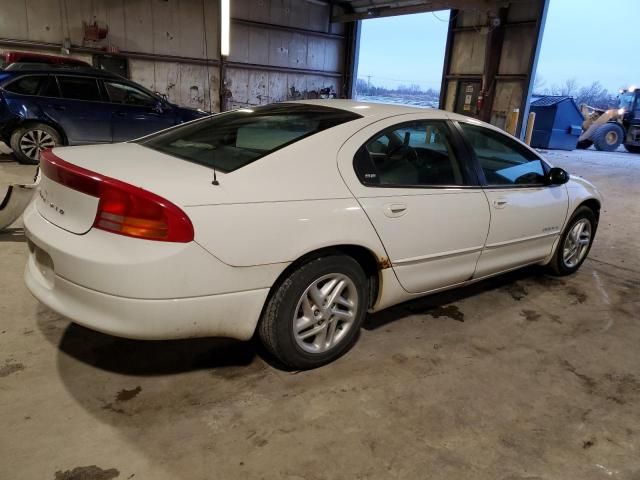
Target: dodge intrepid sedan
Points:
(293, 221)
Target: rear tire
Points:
(632, 148)
(27, 142)
(608, 137)
(575, 242)
(584, 144)
(317, 293)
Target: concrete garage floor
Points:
(525, 376)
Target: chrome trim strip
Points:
(435, 256)
(522, 240)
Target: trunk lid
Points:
(64, 207)
(176, 180)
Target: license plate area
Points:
(43, 263)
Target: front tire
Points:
(575, 242)
(632, 148)
(314, 316)
(608, 137)
(28, 142)
(584, 144)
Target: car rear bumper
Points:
(231, 315)
(142, 289)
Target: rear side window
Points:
(50, 88)
(232, 140)
(414, 154)
(79, 88)
(29, 85)
(503, 160)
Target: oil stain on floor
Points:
(91, 472)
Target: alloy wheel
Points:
(33, 142)
(325, 313)
(576, 243)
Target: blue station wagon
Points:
(42, 108)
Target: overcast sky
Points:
(588, 40)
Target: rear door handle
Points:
(500, 203)
(57, 107)
(394, 210)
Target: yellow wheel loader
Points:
(606, 130)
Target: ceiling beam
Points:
(388, 9)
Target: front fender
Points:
(581, 190)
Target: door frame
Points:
(475, 162)
(346, 160)
(486, 187)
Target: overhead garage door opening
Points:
(401, 59)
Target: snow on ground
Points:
(409, 100)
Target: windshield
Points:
(626, 101)
(229, 141)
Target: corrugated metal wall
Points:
(500, 58)
(280, 49)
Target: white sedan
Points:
(293, 220)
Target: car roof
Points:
(371, 109)
(62, 70)
(376, 111)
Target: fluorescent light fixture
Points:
(225, 21)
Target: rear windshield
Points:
(231, 140)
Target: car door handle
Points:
(121, 114)
(500, 203)
(393, 210)
(57, 107)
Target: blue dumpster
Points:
(558, 123)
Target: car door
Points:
(136, 113)
(411, 180)
(79, 110)
(527, 213)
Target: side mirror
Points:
(557, 176)
(158, 107)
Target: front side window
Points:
(503, 160)
(79, 88)
(231, 140)
(626, 100)
(29, 85)
(408, 155)
(128, 95)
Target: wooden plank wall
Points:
(189, 29)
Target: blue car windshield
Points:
(229, 141)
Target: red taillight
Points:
(123, 208)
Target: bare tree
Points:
(595, 95)
(568, 89)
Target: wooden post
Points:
(530, 122)
(512, 121)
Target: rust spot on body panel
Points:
(384, 263)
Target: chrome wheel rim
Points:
(325, 313)
(33, 142)
(611, 138)
(577, 243)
